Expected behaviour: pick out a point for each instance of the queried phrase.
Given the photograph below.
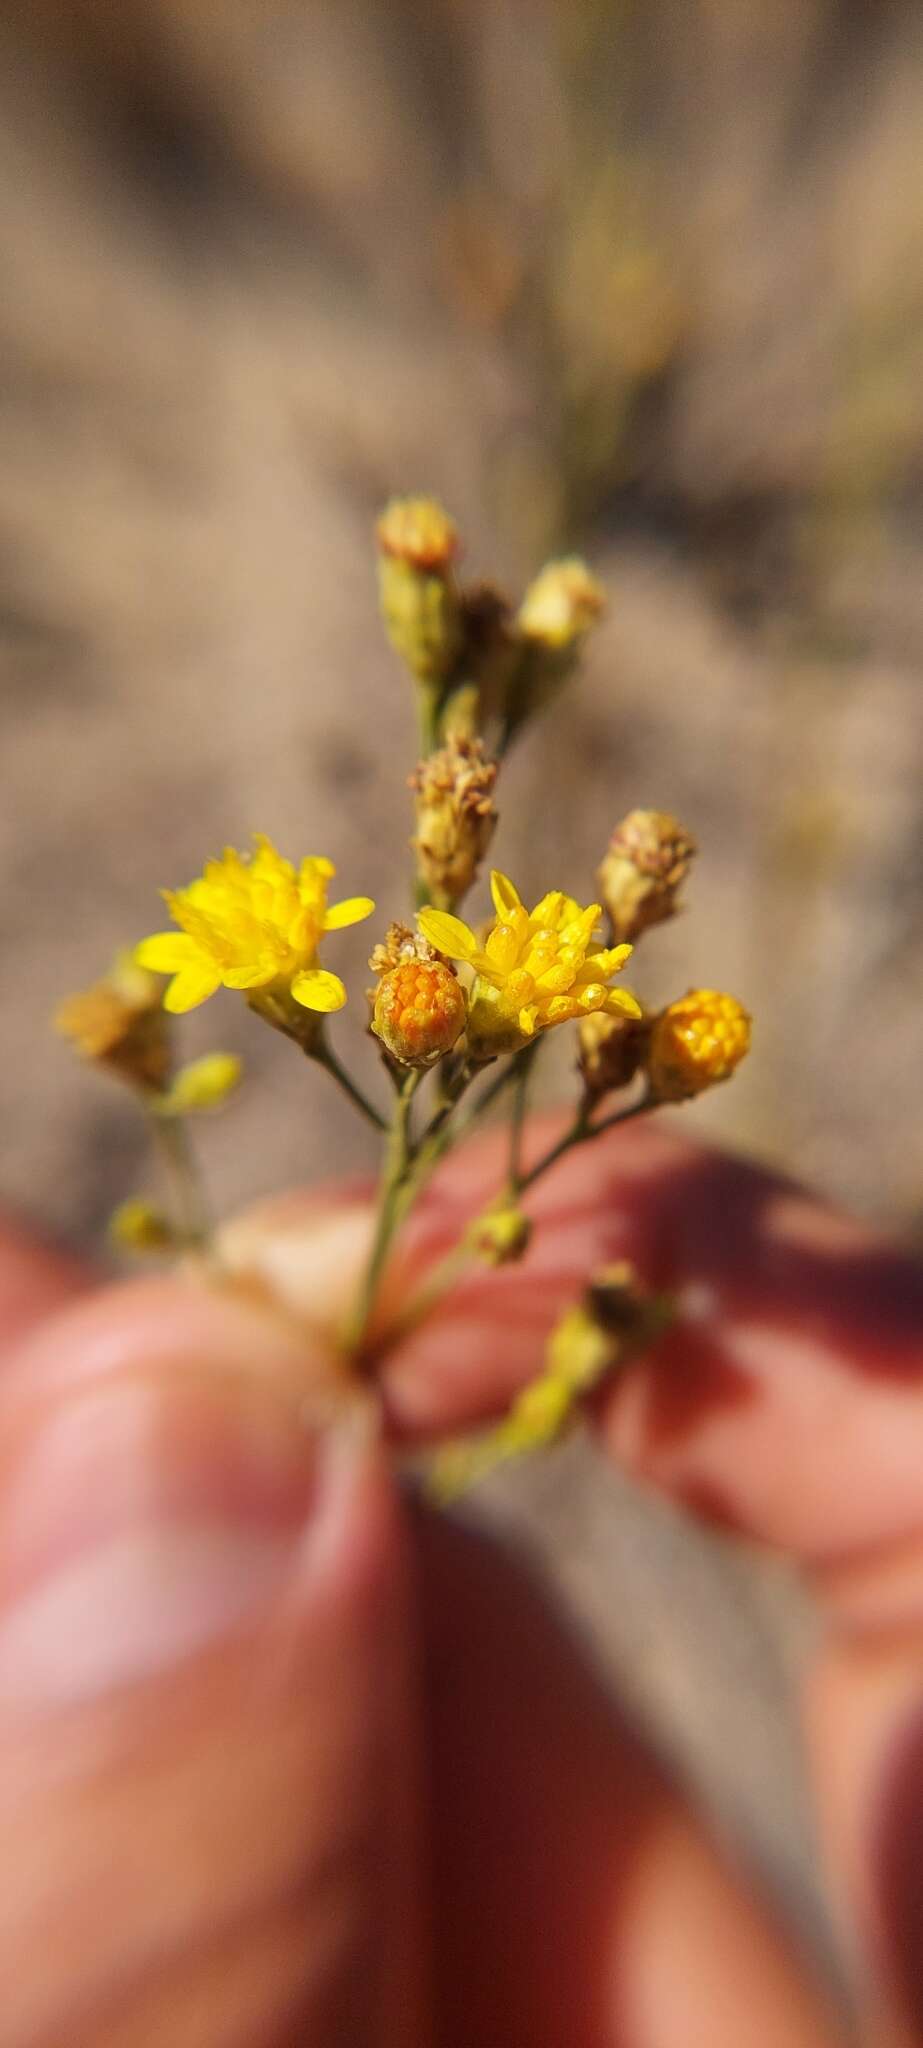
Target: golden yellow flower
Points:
(695, 1042)
(252, 923)
(536, 968)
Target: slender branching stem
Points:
(323, 1055)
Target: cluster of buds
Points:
(645, 866)
(456, 817)
(419, 1008)
(477, 660)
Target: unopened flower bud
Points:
(501, 1235)
(203, 1084)
(696, 1042)
(455, 818)
(561, 605)
(419, 1011)
(420, 602)
(136, 1226)
(611, 1051)
(119, 1023)
(647, 861)
(552, 622)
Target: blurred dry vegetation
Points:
(640, 277)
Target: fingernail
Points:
(143, 1524)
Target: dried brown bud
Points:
(119, 1023)
(611, 1051)
(456, 817)
(648, 859)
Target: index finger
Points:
(786, 1398)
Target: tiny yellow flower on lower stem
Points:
(254, 924)
(137, 1226)
(203, 1084)
(536, 968)
(696, 1042)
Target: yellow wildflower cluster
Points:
(536, 968)
(250, 923)
(457, 1010)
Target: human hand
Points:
(214, 1734)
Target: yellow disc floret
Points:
(419, 1011)
(252, 923)
(695, 1042)
(535, 968)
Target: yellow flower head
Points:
(248, 923)
(536, 968)
(697, 1041)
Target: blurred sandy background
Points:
(640, 277)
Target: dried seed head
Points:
(611, 1051)
(456, 817)
(647, 861)
(419, 1011)
(119, 1023)
(696, 1042)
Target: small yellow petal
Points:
(315, 989)
(165, 952)
(351, 911)
(527, 1021)
(448, 934)
(190, 988)
(506, 898)
(622, 1001)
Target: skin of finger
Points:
(36, 1279)
(786, 1399)
(225, 1850)
(107, 1805)
(577, 1903)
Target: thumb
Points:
(206, 1703)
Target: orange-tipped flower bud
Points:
(648, 859)
(419, 1011)
(420, 602)
(696, 1042)
(418, 531)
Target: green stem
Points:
(173, 1142)
(522, 1076)
(392, 1205)
(449, 1269)
(429, 703)
(582, 1132)
(324, 1056)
